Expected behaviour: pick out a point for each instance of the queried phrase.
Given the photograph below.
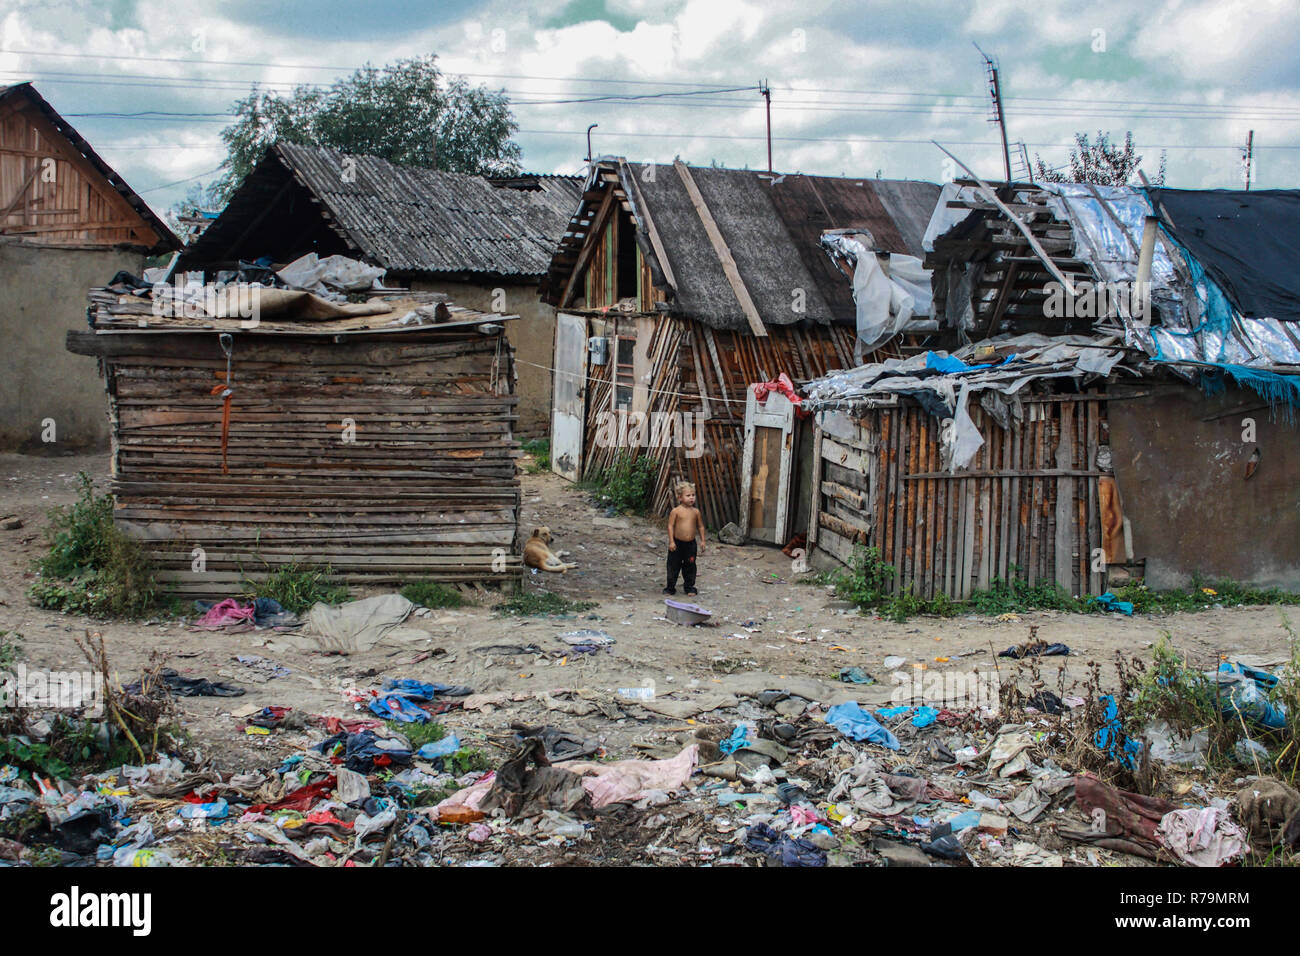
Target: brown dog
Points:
(538, 554)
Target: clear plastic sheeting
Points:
(944, 216)
(331, 276)
(889, 289)
(1197, 321)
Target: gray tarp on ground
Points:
(357, 625)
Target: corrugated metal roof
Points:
(407, 219)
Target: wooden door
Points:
(569, 405)
(765, 481)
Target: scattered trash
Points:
(1035, 649)
(852, 721)
(1109, 602)
(856, 675)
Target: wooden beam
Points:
(593, 237)
(724, 254)
(643, 211)
(1024, 229)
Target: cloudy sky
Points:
(857, 88)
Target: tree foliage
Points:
(407, 112)
(1101, 162)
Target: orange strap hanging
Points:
(227, 346)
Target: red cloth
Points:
(226, 613)
(300, 799)
(780, 384)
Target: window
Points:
(624, 371)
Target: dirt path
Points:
(766, 623)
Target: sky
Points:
(857, 88)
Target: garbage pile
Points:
(767, 777)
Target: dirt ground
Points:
(769, 630)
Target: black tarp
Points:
(1248, 242)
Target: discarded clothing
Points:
(781, 847)
(1271, 812)
(270, 668)
(1036, 649)
(267, 612)
(873, 791)
(180, 686)
(856, 675)
(559, 745)
(364, 751)
(301, 799)
(527, 785)
(398, 708)
(1121, 820)
(1047, 702)
(1109, 602)
(417, 690)
(1204, 837)
(227, 613)
(739, 738)
(852, 721)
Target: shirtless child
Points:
(684, 525)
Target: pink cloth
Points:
(780, 384)
(224, 614)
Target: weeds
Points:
(538, 603)
(433, 594)
(628, 483)
(540, 450)
(466, 760)
(297, 587)
(868, 583)
(1013, 595)
(92, 567)
(418, 734)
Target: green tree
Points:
(408, 112)
(184, 216)
(1101, 162)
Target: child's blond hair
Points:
(681, 488)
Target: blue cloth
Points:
(923, 717)
(733, 743)
(852, 721)
(1108, 602)
(948, 365)
(398, 708)
(419, 690)
(1111, 738)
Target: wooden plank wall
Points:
(1027, 506)
(427, 489)
(705, 371)
(66, 202)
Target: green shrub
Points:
(92, 567)
(540, 450)
(628, 482)
(432, 594)
(297, 587)
(1014, 595)
(535, 603)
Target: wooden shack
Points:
(376, 438)
(483, 242)
(677, 287)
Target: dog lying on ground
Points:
(538, 554)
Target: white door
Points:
(569, 405)
(765, 474)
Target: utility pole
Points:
(1248, 156)
(999, 117)
(767, 95)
